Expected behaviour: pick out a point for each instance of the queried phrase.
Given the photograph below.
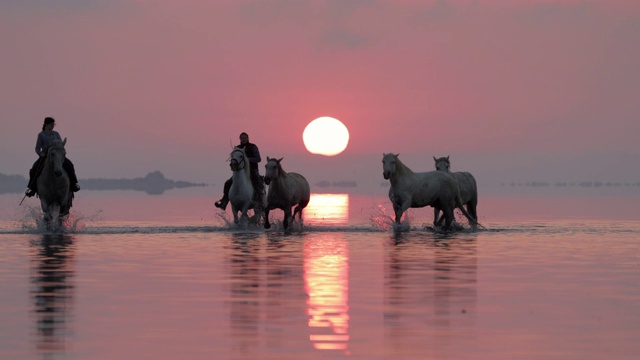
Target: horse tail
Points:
(472, 221)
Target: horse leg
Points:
(64, 209)
(234, 211)
(47, 220)
(436, 212)
(245, 216)
(297, 210)
(458, 204)
(437, 222)
(60, 221)
(287, 216)
(267, 225)
(301, 205)
(46, 213)
(448, 218)
(401, 209)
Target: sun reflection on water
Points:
(332, 209)
(326, 278)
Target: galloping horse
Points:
(466, 185)
(414, 190)
(285, 191)
(53, 184)
(241, 193)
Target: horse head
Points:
(389, 164)
(55, 156)
(237, 159)
(272, 169)
(442, 164)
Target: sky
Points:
(511, 90)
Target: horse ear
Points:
(64, 141)
(398, 154)
(280, 159)
(434, 159)
(447, 157)
(268, 158)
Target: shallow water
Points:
(166, 277)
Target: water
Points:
(165, 277)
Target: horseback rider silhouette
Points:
(45, 139)
(253, 154)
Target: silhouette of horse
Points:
(466, 185)
(53, 185)
(285, 191)
(241, 193)
(414, 190)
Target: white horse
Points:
(414, 190)
(241, 193)
(285, 191)
(466, 185)
(53, 185)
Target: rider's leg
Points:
(67, 165)
(222, 203)
(33, 179)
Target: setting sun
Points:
(326, 136)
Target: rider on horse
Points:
(45, 139)
(253, 154)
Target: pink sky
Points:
(501, 86)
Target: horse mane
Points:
(401, 168)
(280, 169)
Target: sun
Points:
(325, 136)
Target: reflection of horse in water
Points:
(264, 274)
(52, 291)
(434, 281)
(415, 190)
(285, 191)
(466, 185)
(53, 185)
(241, 193)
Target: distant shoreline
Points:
(154, 183)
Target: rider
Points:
(45, 139)
(253, 154)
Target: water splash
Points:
(383, 221)
(222, 215)
(228, 224)
(380, 220)
(32, 221)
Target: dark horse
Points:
(466, 185)
(286, 190)
(53, 185)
